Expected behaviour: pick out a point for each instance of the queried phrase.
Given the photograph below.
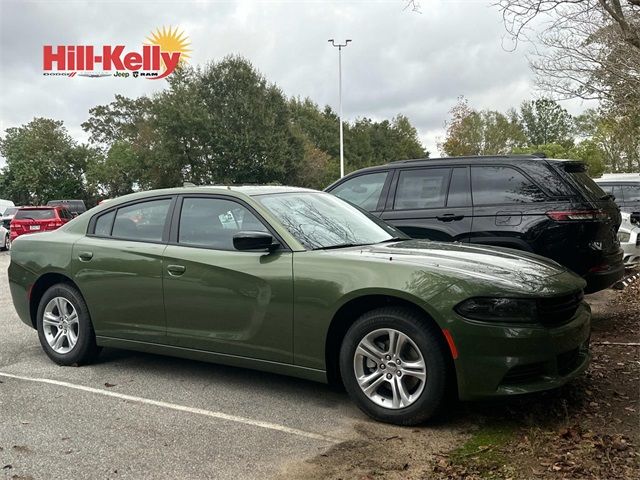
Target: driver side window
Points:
(212, 222)
(363, 190)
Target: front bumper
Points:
(502, 360)
(631, 248)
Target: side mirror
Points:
(254, 241)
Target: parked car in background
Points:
(549, 207)
(4, 238)
(37, 219)
(7, 216)
(76, 207)
(4, 204)
(629, 236)
(301, 283)
(625, 187)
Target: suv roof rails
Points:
(519, 155)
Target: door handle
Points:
(85, 256)
(176, 270)
(449, 217)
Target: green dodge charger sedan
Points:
(301, 283)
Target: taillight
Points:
(576, 215)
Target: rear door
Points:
(118, 267)
(507, 206)
(432, 203)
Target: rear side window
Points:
(631, 193)
(424, 188)
(142, 221)
(36, 214)
(104, 223)
(212, 222)
(494, 185)
(64, 213)
(363, 190)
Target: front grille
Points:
(523, 374)
(568, 361)
(559, 310)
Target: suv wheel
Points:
(394, 366)
(64, 326)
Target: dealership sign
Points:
(155, 59)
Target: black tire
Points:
(427, 339)
(85, 349)
(7, 242)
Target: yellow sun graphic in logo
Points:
(171, 40)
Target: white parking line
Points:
(181, 408)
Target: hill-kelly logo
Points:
(159, 55)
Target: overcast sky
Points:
(415, 64)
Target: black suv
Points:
(549, 207)
(76, 207)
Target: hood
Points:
(484, 263)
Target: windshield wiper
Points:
(341, 245)
(394, 239)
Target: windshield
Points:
(320, 220)
(10, 211)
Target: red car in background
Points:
(37, 219)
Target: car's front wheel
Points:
(64, 326)
(394, 366)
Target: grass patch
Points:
(483, 451)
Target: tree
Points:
(588, 48)
(43, 163)
(472, 132)
(617, 137)
(545, 121)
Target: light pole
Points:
(340, 46)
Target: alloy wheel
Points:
(60, 325)
(390, 368)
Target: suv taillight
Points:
(576, 215)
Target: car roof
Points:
(465, 160)
(42, 207)
(618, 177)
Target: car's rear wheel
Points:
(64, 326)
(7, 242)
(394, 366)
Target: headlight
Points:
(624, 237)
(498, 310)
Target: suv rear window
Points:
(36, 214)
(587, 186)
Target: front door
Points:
(220, 299)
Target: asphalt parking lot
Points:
(134, 415)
